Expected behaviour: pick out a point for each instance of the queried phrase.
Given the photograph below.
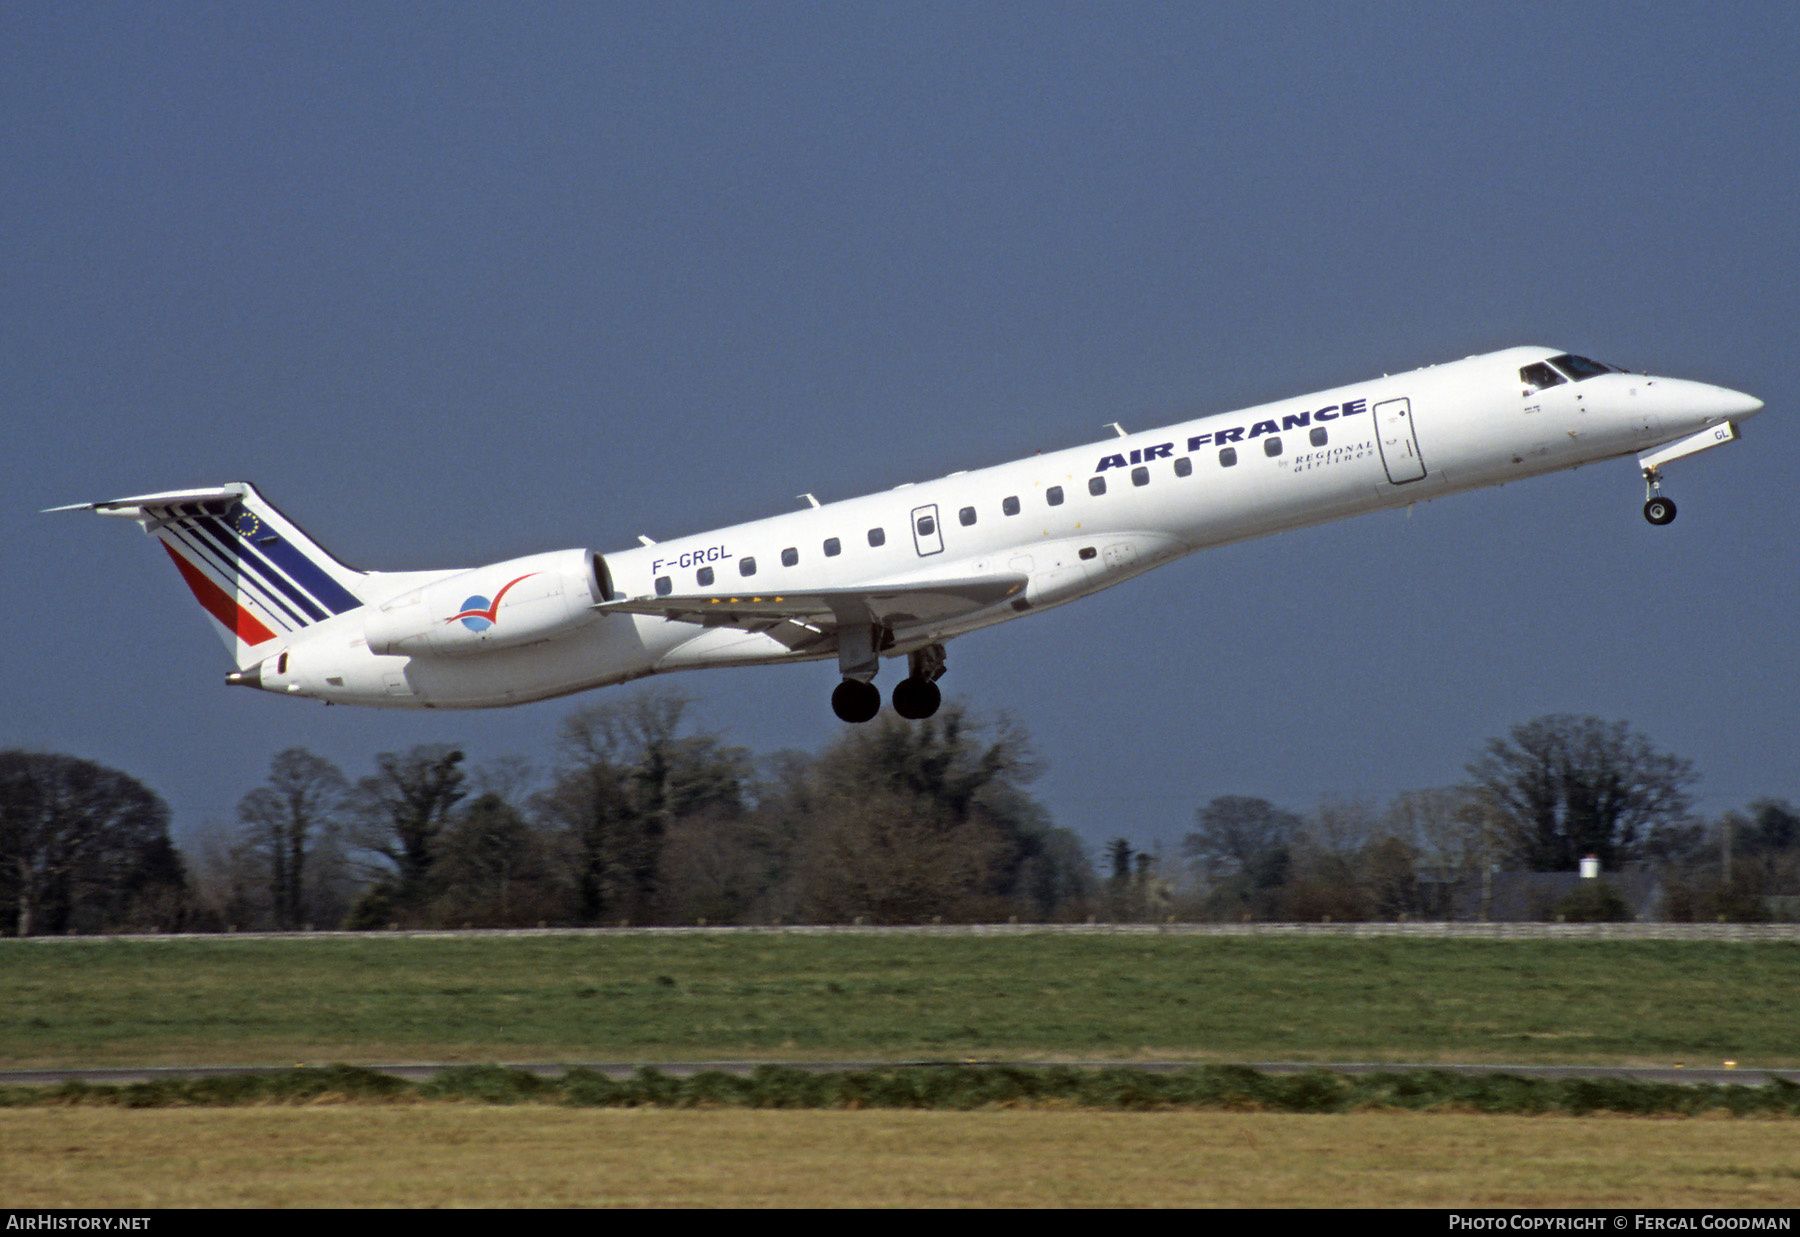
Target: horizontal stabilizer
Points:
(142, 503)
(255, 573)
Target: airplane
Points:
(900, 573)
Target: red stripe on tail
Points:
(217, 604)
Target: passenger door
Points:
(1399, 444)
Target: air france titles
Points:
(1237, 433)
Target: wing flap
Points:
(891, 606)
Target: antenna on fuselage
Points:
(1116, 428)
(809, 498)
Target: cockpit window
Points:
(1579, 367)
(1537, 377)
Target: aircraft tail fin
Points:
(256, 574)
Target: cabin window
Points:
(1184, 467)
(833, 547)
(1010, 506)
(967, 516)
(705, 576)
(747, 566)
(1272, 446)
(1140, 476)
(1096, 486)
(1087, 552)
(1536, 377)
(664, 586)
(1227, 456)
(926, 526)
(1053, 496)
(878, 536)
(1319, 436)
(790, 557)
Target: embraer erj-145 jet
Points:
(898, 574)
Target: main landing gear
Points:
(916, 696)
(856, 701)
(1657, 509)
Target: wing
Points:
(821, 610)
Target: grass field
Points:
(674, 998)
(463, 1155)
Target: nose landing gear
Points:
(1657, 509)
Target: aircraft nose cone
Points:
(1715, 404)
(1739, 405)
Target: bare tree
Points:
(230, 879)
(1455, 837)
(1567, 786)
(400, 812)
(1236, 834)
(631, 771)
(302, 802)
(894, 858)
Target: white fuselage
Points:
(1383, 443)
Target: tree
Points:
(630, 774)
(287, 816)
(1391, 878)
(1773, 828)
(402, 809)
(890, 857)
(1118, 859)
(492, 869)
(1337, 868)
(229, 879)
(1733, 869)
(84, 848)
(1241, 850)
(1123, 891)
(910, 821)
(1564, 787)
(1056, 877)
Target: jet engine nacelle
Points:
(520, 601)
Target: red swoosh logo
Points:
(492, 612)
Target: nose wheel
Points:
(1657, 509)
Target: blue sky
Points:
(453, 283)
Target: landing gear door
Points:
(1399, 445)
(927, 536)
